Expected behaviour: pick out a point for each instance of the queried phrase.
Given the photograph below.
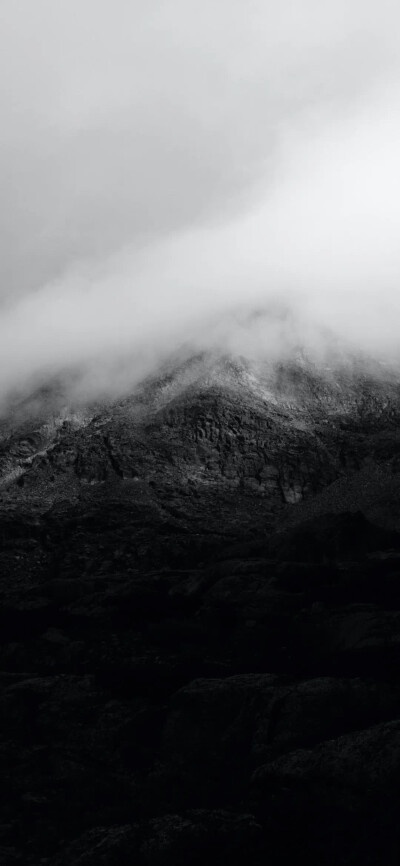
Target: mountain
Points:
(281, 431)
(200, 620)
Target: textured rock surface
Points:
(200, 622)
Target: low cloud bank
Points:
(165, 175)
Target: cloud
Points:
(165, 164)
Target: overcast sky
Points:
(164, 161)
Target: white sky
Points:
(162, 161)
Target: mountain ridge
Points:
(293, 396)
(200, 620)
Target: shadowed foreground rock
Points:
(200, 625)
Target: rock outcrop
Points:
(199, 630)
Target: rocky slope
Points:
(200, 621)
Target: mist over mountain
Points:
(162, 167)
(199, 433)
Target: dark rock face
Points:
(200, 623)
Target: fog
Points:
(167, 168)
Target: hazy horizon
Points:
(164, 165)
